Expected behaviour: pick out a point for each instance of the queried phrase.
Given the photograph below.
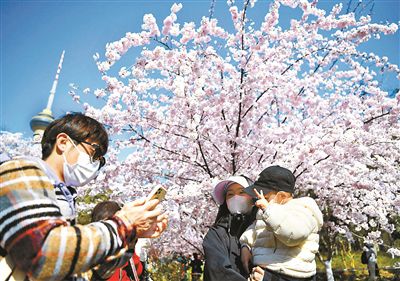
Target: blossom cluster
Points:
(201, 103)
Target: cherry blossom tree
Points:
(14, 145)
(203, 102)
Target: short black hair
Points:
(78, 127)
(105, 210)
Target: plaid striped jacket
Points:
(39, 239)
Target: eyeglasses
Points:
(97, 155)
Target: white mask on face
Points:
(239, 204)
(82, 172)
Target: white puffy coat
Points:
(284, 238)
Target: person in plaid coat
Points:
(38, 233)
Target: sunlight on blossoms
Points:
(203, 101)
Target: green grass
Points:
(353, 260)
(350, 262)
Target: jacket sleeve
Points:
(38, 238)
(217, 265)
(294, 221)
(249, 236)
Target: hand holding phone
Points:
(148, 219)
(158, 193)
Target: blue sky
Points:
(34, 33)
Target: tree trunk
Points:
(328, 269)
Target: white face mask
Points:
(239, 204)
(82, 172)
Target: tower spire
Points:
(55, 82)
(44, 118)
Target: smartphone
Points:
(158, 192)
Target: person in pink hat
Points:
(221, 244)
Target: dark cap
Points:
(273, 178)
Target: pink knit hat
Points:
(222, 187)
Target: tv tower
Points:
(44, 118)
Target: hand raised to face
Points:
(261, 203)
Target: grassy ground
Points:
(346, 267)
(349, 267)
(353, 260)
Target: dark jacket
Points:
(222, 249)
(196, 265)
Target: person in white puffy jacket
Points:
(284, 238)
